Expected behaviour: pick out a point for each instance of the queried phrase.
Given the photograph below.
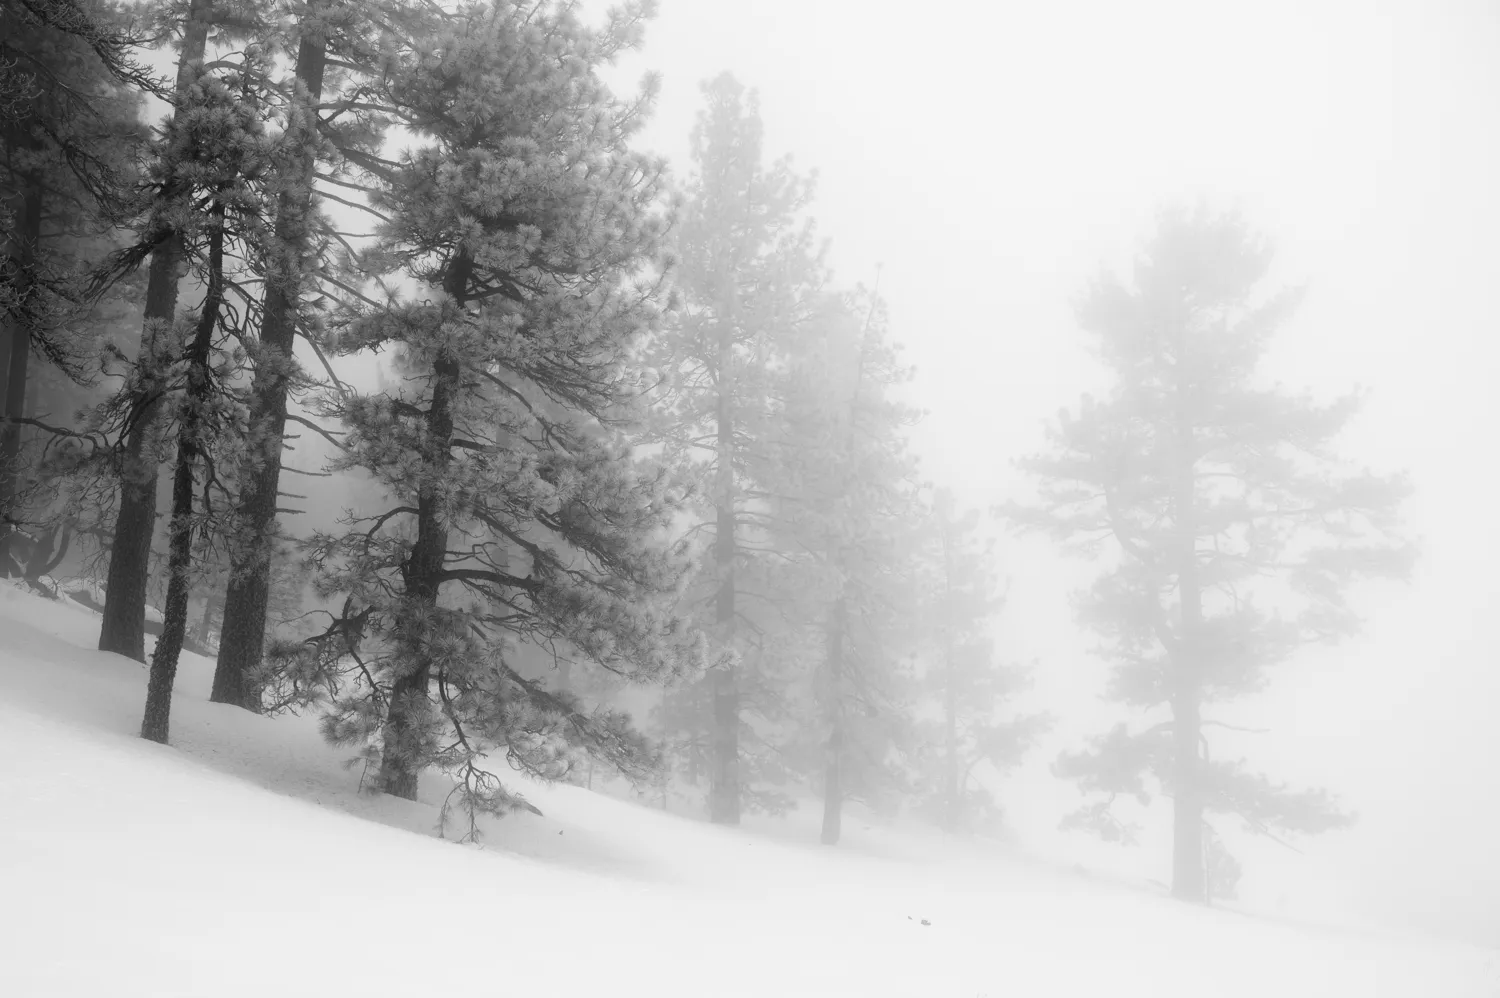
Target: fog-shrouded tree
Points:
(748, 278)
(104, 28)
(849, 490)
(519, 526)
(68, 131)
(964, 683)
(1231, 526)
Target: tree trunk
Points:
(190, 430)
(243, 634)
(124, 627)
(952, 805)
(21, 266)
(407, 734)
(724, 773)
(833, 756)
(206, 621)
(1188, 880)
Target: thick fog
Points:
(976, 167)
(987, 158)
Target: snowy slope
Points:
(242, 861)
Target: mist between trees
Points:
(631, 493)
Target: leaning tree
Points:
(1230, 525)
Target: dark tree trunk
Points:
(49, 551)
(833, 756)
(20, 266)
(243, 634)
(124, 627)
(1188, 873)
(724, 767)
(407, 735)
(190, 434)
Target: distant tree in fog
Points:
(1230, 526)
(68, 134)
(749, 279)
(961, 676)
(848, 490)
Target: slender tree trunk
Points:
(724, 775)
(124, 626)
(21, 267)
(952, 817)
(1188, 880)
(833, 753)
(407, 734)
(206, 620)
(243, 634)
(190, 431)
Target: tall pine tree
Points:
(167, 216)
(68, 134)
(1236, 529)
(748, 277)
(332, 117)
(519, 527)
(850, 491)
(222, 149)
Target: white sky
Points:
(991, 154)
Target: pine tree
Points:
(748, 276)
(67, 131)
(219, 148)
(1237, 529)
(99, 26)
(850, 490)
(167, 217)
(520, 526)
(330, 118)
(962, 679)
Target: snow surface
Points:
(242, 861)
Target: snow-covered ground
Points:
(242, 860)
